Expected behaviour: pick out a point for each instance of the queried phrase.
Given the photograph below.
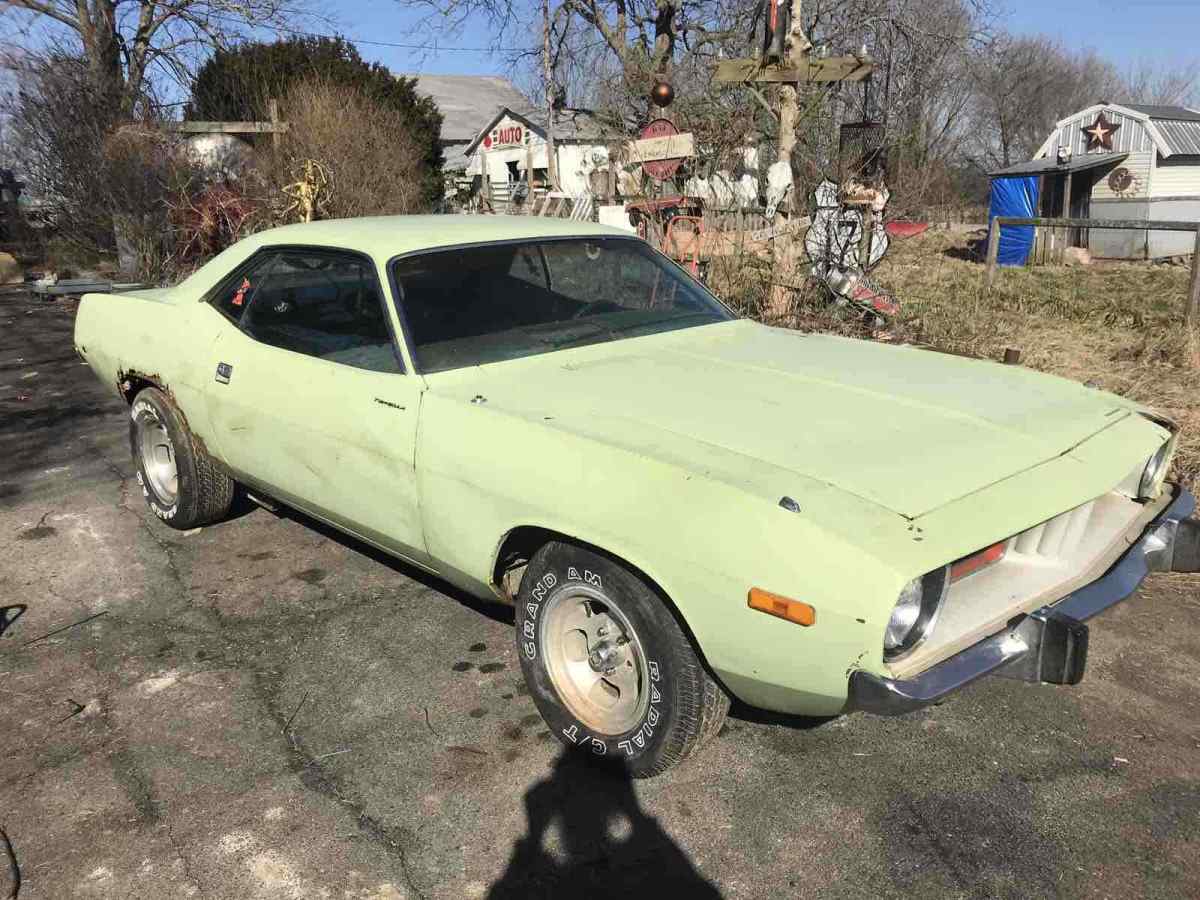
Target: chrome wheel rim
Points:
(158, 456)
(595, 659)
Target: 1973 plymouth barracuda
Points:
(682, 505)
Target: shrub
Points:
(235, 85)
(373, 161)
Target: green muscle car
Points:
(684, 507)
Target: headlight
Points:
(914, 613)
(1154, 473)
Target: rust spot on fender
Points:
(127, 379)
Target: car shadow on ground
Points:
(497, 611)
(588, 836)
(745, 713)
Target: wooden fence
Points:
(1192, 307)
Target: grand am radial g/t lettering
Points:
(682, 506)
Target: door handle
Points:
(388, 403)
(224, 373)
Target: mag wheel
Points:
(595, 659)
(157, 455)
(181, 483)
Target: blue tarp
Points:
(1014, 197)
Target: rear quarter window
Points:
(235, 294)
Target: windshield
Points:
(475, 305)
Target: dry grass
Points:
(1117, 325)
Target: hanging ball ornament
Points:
(662, 94)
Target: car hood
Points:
(907, 429)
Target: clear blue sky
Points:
(1163, 31)
(1160, 30)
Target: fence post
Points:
(273, 115)
(993, 248)
(1193, 301)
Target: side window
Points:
(235, 295)
(326, 305)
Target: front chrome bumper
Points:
(1049, 644)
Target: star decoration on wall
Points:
(1101, 132)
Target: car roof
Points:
(386, 236)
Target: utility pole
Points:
(548, 78)
(786, 245)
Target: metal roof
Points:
(1177, 113)
(1046, 166)
(1181, 137)
(468, 102)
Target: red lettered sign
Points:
(661, 169)
(504, 136)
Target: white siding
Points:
(1174, 243)
(1140, 165)
(1176, 177)
(575, 161)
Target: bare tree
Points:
(126, 42)
(1170, 84)
(1023, 86)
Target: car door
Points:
(309, 398)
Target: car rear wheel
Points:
(181, 483)
(608, 665)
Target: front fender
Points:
(704, 541)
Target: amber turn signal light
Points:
(781, 607)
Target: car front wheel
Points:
(608, 665)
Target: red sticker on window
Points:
(240, 296)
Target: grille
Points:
(1040, 565)
(1056, 538)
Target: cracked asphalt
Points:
(264, 709)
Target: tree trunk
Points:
(787, 246)
(101, 46)
(548, 78)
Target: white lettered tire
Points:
(609, 667)
(181, 483)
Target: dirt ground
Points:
(264, 709)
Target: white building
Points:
(486, 120)
(1121, 161)
(514, 141)
(466, 103)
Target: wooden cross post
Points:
(789, 121)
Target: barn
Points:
(1111, 161)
